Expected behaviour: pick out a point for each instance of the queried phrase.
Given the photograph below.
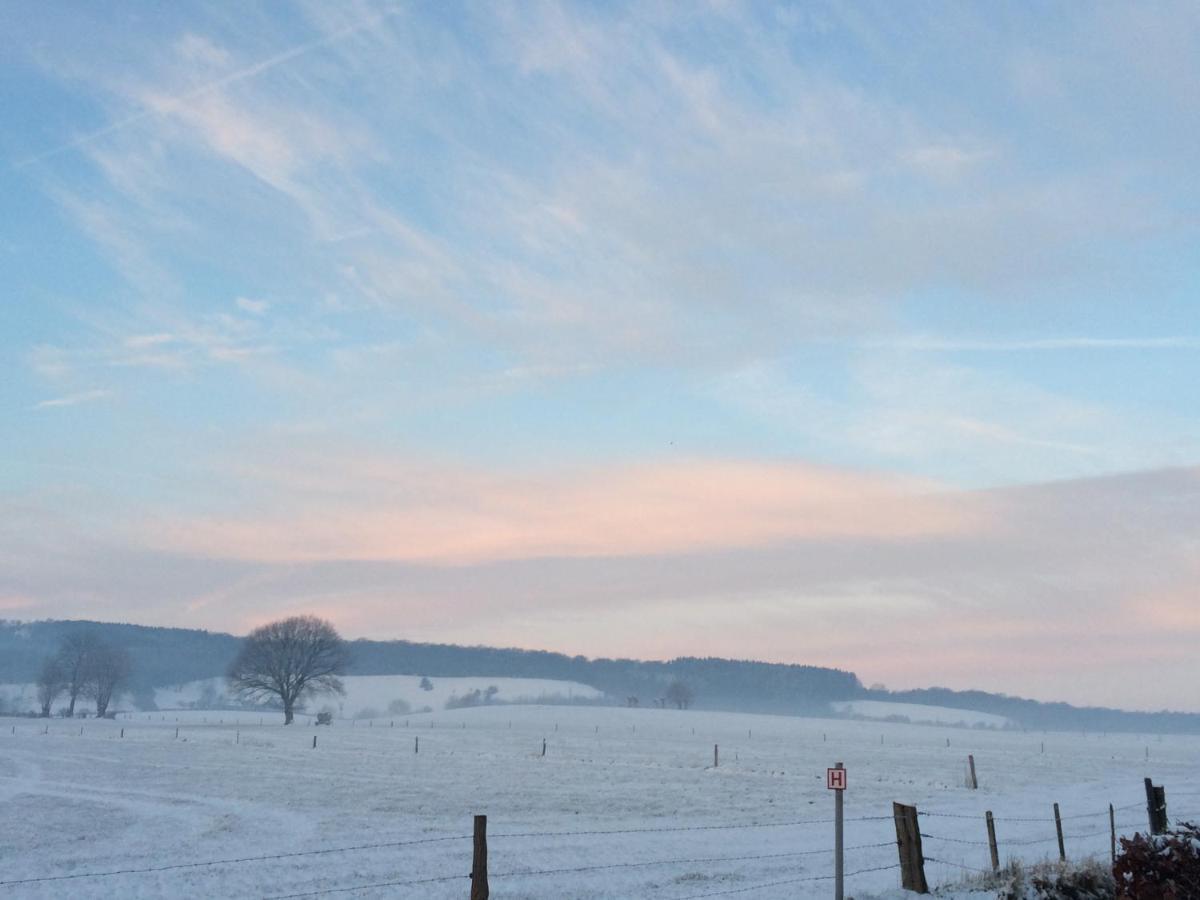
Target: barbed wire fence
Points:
(734, 867)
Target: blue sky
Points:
(495, 321)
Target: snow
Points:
(920, 714)
(95, 801)
(367, 693)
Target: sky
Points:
(860, 335)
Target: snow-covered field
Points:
(625, 803)
(919, 714)
(374, 696)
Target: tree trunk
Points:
(287, 713)
(45, 710)
(71, 708)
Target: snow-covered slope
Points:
(623, 804)
(919, 714)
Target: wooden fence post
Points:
(1156, 807)
(716, 756)
(1062, 849)
(974, 785)
(543, 746)
(1112, 828)
(417, 744)
(479, 874)
(314, 746)
(908, 843)
(992, 848)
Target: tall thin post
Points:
(1062, 849)
(543, 746)
(716, 756)
(479, 873)
(992, 848)
(1150, 806)
(839, 868)
(1112, 829)
(971, 763)
(314, 746)
(417, 744)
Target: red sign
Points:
(835, 779)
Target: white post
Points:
(838, 862)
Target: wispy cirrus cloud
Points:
(74, 399)
(934, 343)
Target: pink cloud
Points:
(401, 512)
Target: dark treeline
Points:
(171, 656)
(716, 683)
(160, 656)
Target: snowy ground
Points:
(664, 823)
(919, 713)
(371, 696)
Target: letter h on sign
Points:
(835, 779)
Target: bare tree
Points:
(51, 682)
(680, 694)
(108, 670)
(75, 656)
(290, 659)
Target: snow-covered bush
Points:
(1084, 880)
(1160, 867)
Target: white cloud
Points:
(74, 399)
(254, 307)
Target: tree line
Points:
(85, 666)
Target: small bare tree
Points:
(290, 659)
(51, 682)
(108, 671)
(75, 656)
(679, 694)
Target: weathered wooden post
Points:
(314, 746)
(1156, 807)
(992, 848)
(716, 756)
(1062, 849)
(908, 843)
(973, 784)
(1112, 828)
(543, 746)
(479, 873)
(417, 744)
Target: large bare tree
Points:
(108, 670)
(290, 659)
(75, 656)
(51, 682)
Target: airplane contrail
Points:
(220, 83)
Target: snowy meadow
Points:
(624, 803)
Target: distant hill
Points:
(165, 657)
(171, 656)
